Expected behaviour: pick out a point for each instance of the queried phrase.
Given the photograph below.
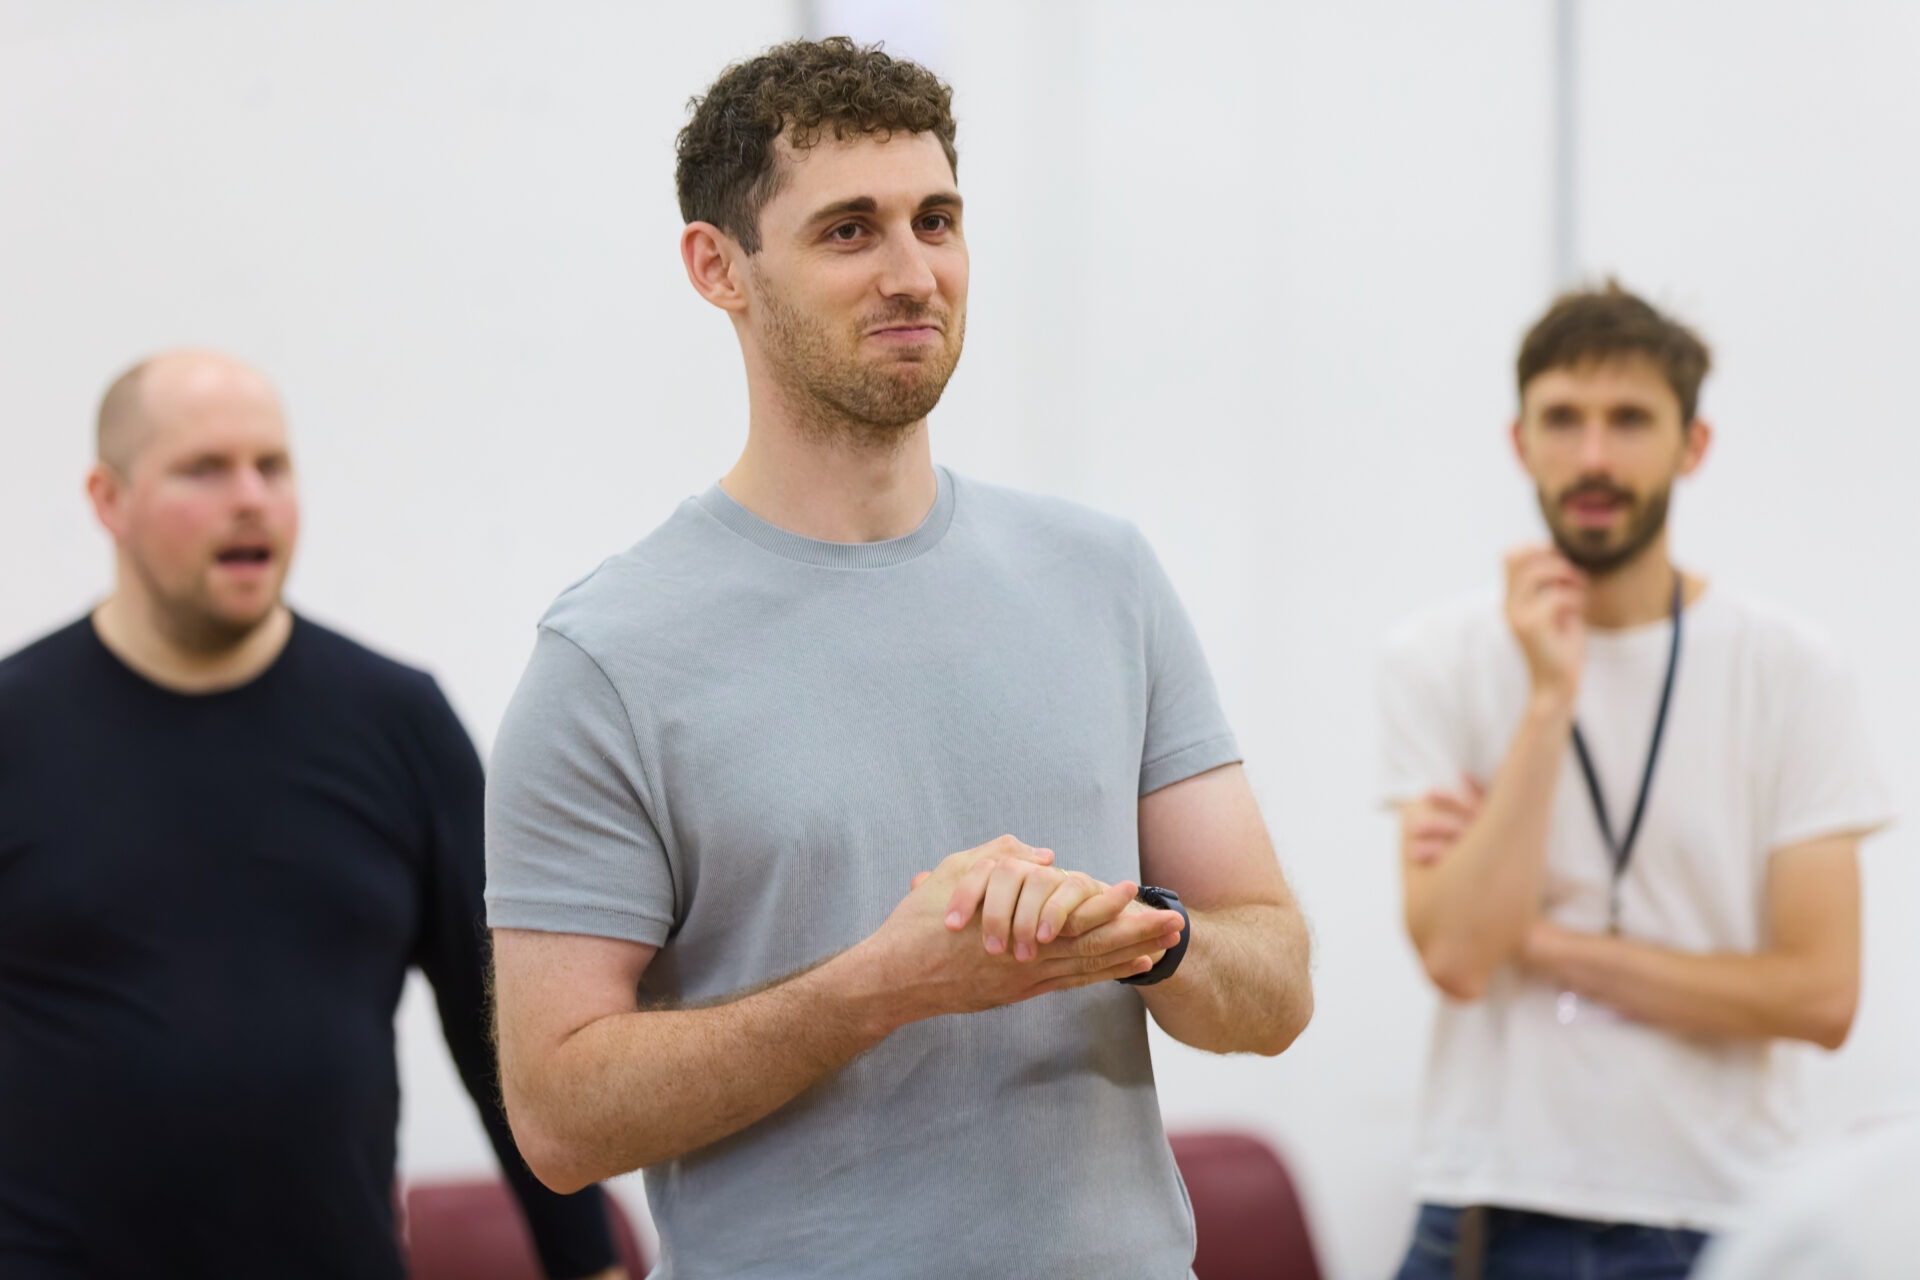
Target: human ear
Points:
(103, 491)
(1693, 448)
(713, 259)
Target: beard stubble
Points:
(1645, 521)
(189, 620)
(842, 398)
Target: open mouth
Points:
(241, 557)
(1595, 506)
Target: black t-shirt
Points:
(208, 905)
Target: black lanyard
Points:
(1622, 850)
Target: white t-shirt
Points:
(1845, 1214)
(1600, 1117)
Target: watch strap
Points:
(1165, 900)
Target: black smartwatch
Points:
(1163, 900)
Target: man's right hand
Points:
(1545, 596)
(938, 970)
(1438, 819)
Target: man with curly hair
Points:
(738, 742)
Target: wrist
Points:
(1551, 702)
(1188, 974)
(1562, 954)
(1169, 962)
(862, 981)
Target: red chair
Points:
(472, 1230)
(1245, 1210)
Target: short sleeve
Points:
(1187, 732)
(571, 844)
(1826, 782)
(1422, 735)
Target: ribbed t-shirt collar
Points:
(717, 503)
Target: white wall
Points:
(1250, 273)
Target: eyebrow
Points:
(867, 204)
(224, 457)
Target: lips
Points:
(1595, 495)
(906, 319)
(1595, 512)
(243, 557)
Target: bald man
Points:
(225, 834)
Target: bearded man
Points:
(1647, 881)
(737, 743)
(225, 834)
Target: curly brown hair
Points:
(1599, 324)
(727, 166)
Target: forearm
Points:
(634, 1089)
(570, 1233)
(1764, 995)
(1243, 985)
(1468, 914)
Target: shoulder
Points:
(1468, 628)
(1780, 643)
(1045, 524)
(48, 664)
(360, 683)
(337, 658)
(369, 691)
(647, 588)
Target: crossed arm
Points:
(1804, 985)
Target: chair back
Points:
(1245, 1210)
(473, 1230)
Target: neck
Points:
(133, 630)
(1638, 592)
(834, 486)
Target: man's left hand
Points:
(1021, 908)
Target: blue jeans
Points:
(1538, 1246)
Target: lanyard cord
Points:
(1622, 851)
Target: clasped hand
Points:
(1040, 929)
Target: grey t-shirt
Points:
(738, 745)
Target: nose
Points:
(1593, 448)
(906, 272)
(249, 488)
